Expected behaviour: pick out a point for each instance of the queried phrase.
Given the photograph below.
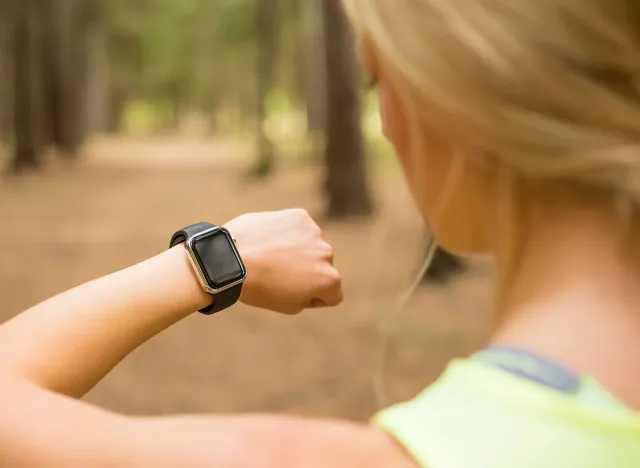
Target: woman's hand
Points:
(289, 264)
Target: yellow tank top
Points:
(510, 409)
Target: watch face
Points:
(218, 259)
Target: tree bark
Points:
(85, 20)
(115, 108)
(97, 92)
(59, 80)
(266, 18)
(28, 102)
(346, 178)
(314, 64)
(6, 65)
(69, 24)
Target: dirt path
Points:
(65, 227)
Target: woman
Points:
(518, 126)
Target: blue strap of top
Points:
(531, 366)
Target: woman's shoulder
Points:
(511, 408)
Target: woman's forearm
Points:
(70, 342)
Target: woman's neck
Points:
(575, 297)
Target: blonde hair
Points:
(545, 89)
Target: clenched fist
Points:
(289, 264)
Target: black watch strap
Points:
(223, 299)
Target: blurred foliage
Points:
(233, 22)
(172, 56)
(189, 54)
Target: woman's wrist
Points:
(183, 279)
(185, 276)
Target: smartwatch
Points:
(216, 262)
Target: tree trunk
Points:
(6, 65)
(68, 26)
(28, 93)
(86, 16)
(115, 108)
(346, 183)
(295, 10)
(314, 64)
(266, 18)
(58, 74)
(97, 93)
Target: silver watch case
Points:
(195, 264)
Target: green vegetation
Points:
(173, 57)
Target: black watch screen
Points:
(218, 258)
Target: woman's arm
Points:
(67, 344)
(70, 342)
(41, 429)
